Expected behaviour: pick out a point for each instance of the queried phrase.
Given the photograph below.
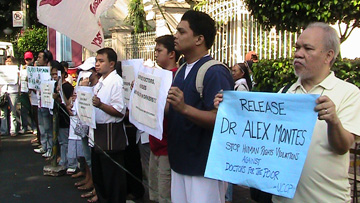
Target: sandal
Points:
(93, 199)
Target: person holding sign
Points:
(191, 116)
(324, 177)
(109, 180)
(159, 166)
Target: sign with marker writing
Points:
(261, 140)
(36, 75)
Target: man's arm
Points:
(339, 138)
(106, 108)
(205, 119)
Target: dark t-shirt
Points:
(188, 143)
(64, 119)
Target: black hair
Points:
(245, 70)
(168, 42)
(201, 24)
(57, 65)
(111, 54)
(65, 64)
(47, 55)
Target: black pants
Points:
(109, 180)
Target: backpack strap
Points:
(177, 71)
(199, 83)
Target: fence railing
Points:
(140, 45)
(237, 34)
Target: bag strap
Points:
(199, 83)
(286, 88)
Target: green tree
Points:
(137, 17)
(34, 39)
(293, 14)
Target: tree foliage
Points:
(272, 75)
(292, 15)
(6, 8)
(137, 17)
(34, 39)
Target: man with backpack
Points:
(190, 113)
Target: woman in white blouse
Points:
(241, 76)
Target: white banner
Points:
(9, 74)
(79, 20)
(129, 69)
(47, 91)
(148, 99)
(85, 108)
(36, 75)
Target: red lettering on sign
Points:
(94, 6)
(51, 2)
(97, 40)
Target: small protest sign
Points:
(85, 108)
(47, 90)
(261, 140)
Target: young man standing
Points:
(159, 166)
(109, 180)
(192, 117)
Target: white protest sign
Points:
(47, 90)
(8, 74)
(37, 74)
(148, 99)
(261, 140)
(23, 80)
(129, 69)
(85, 108)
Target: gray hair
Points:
(331, 38)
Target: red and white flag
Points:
(79, 20)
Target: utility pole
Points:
(24, 8)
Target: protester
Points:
(191, 118)
(159, 167)
(109, 180)
(68, 77)
(44, 116)
(11, 126)
(26, 121)
(62, 101)
(324, 177)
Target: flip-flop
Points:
(88, 194)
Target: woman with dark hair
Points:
(241, 76)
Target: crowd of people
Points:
(173, 168)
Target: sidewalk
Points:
(22, 179)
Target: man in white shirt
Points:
(109, 180)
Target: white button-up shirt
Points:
(110, 92)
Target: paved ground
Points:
(22, 179)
